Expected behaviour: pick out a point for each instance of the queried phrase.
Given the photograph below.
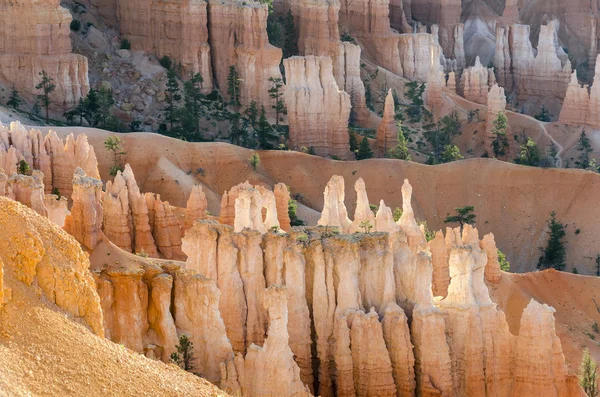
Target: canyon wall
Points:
(475, 83)
(238, 37)
(175, 29)
(316, 24)
(518, 68)
(582, 103)
(35, 39)
(318, 111)
(444, 13)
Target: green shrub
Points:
(165, 62)
(125, 44)
(75, 25)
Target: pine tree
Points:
(451, 153)
(588, 375)
(400, 152)
(364, 151)
(14, 101)
(554, 255)
(585, 147)
(114, 144)
(276, 93)
(184, 357)
(233, 86)
(23, 168)
(504, 264)
(252, 113)
(47, 86)
(464, 216)
(264, 131)
(172, 96)
(499, 128)
(529, 154)
(192, 108)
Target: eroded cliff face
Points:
(546, 74)
(316, 24)
(475, 83)
(238, 37)
(582, 102)
(35, 39)
(444, 13)
(55, 158)
(34, 251)
(318, 110)
(176, 29)
(358, 293)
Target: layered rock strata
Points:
(238, 37)
(546, 74)
(318, 111)
(316, 24)
(174, 29)
(36, 38)
(316, 309)
(85, 220)
(582, 103)
(475, 83)
(195, 207)
(55, 158)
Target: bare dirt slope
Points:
(571, 295)
(47, 351)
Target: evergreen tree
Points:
(23, 168)
(598, 265)
(47, 86)
(252, 113)
(499, 128)
(544, 115)
(276, 93)
(464, 216)
(184, 357)
(588, 375)
(364, 151)
(414, 92)
(441, 134)
(451, 153)
(292, 208)
(264, 131)
(238, 130)
(192, 108)
(114, 144)
(254, 160)
(504, 264)
(14, 101)
(400, 152)
(529, 154)
(585, 147)
(233, 86)
(554, 255)
(172, 96)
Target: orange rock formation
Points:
(35, 39)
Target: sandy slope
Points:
(571, 295)
(44, 352)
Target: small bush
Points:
(165, 62)
(125, 44)
(75, 25)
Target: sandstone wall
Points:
(238, 37)
(35, 39)
(177, 29)
(318, 110)
(546, 74)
